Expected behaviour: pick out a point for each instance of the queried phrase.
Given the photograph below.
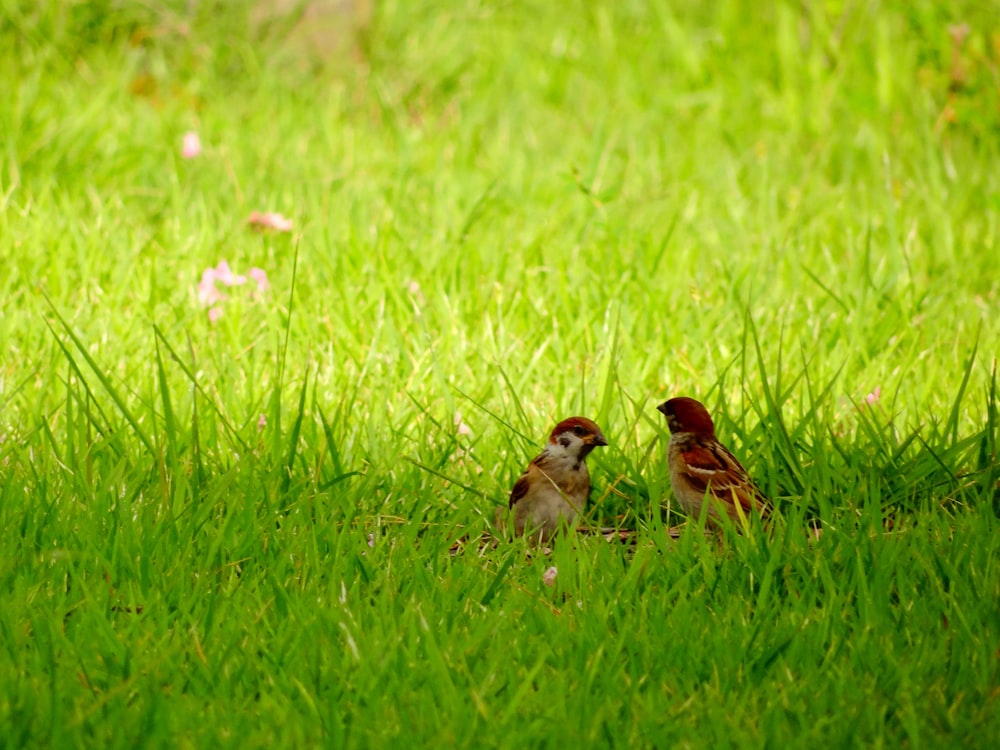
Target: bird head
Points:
(578, 436)
(687, 415)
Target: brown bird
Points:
(701, 467)
(555, 486)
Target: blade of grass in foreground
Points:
(293, 438)
(489, 412)
(189, 372)
(170, 423)
(512, 556)
(104, 379)
(952, 424)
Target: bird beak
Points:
(598, 439)
(662, 408)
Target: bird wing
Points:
(523, 484)
(520, 489)
(540, 474)
(712, 468)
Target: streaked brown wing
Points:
(524, 481)
(746, 490)
(520, 489)
(715, 466)
(703, 459)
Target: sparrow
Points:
(701, 467)
(555, 486)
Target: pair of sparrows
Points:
(555, 486)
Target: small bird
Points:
(555, 486)
(702, 467)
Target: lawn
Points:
(235, 458)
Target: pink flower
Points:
(261, 423)
(414, 288)
(260, 276)
(874, 396)
(277, 222)
(191, 145)
(225, 274)
(463, 428)
(549, 576)
(207, 293)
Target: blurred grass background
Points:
(503, 213)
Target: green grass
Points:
(504, 214)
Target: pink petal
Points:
(191, 145)
(281, 223)
(463, 428)
(261, 423)
(214, 314)
(222, 271)
(549, 576)
(418, 296)
(269, 220)
(207, 293)
(225, 274)
(206, 287)
(874, 396)
(260, 276)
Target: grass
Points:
(237, 532)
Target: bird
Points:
(701, 467)
(554, 488)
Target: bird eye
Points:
(578, 430)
